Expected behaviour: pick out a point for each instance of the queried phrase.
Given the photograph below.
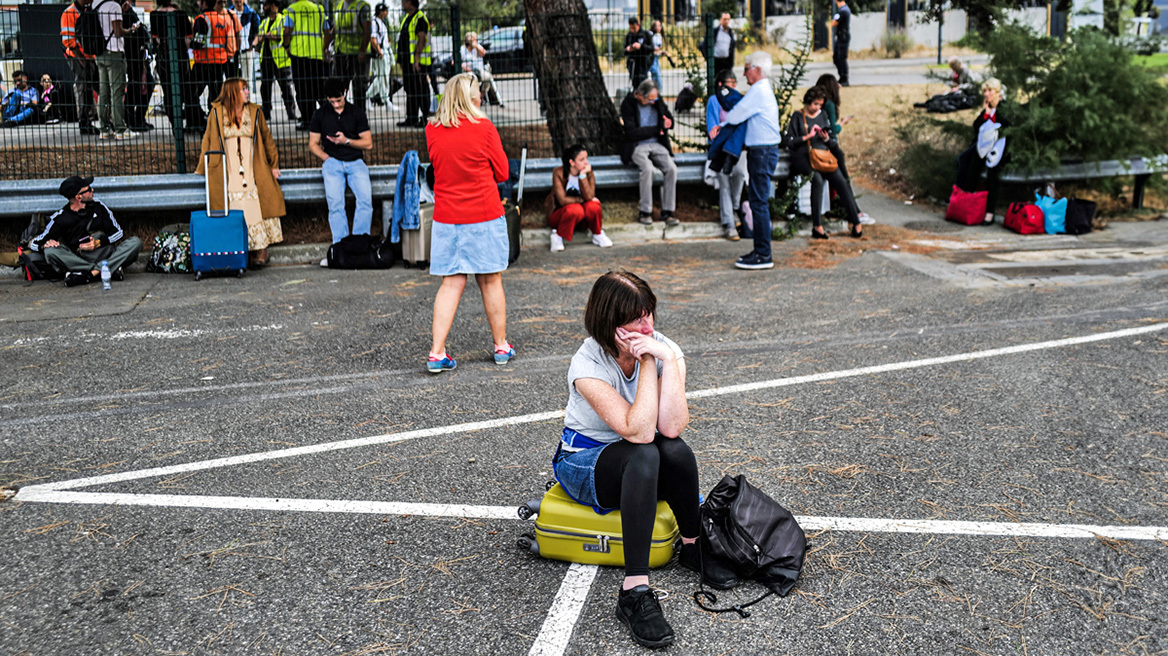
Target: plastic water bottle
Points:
(105, 276)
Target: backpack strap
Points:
(702, 593)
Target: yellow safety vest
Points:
(279, 52)
(308, 24)
(349, 29)
(426, 60)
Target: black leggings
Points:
(837, 181)
(969, 168)
(633, 477)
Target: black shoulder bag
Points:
(754, 535)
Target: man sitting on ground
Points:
(20, 104)
(339, 135)
(646, 120)
(82, 234)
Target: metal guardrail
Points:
(1141, 168)
(185, 191)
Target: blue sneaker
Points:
(503, 357)
(438, 366)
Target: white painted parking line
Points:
(556, 414)
(561, 619)
(168, 333)
(809, 523)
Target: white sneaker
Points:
(557, 243)
(324, 262)
(866, 220)
(601, 240)
(389, 106)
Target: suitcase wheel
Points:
(549, 485)
(529, 509)
(198, 275)
(526, 542)
(239, 274)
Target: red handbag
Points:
(967, 207)
(1025, 219)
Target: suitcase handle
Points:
(207, 182)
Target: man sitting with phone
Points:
(82, 234)
(346, 137)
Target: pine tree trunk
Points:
(579, 109)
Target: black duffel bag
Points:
(1080, 215)
(751, 533)
(360, 252)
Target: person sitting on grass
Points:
(573, 199)
(82, 234)
(621, 446)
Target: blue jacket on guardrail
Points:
(405, 198)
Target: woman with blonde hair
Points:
(470, 229)
(473, 54)
(988, 151)
(238, 128)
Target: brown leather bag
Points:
(821, 160)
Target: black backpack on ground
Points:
(360, 252)
(33, 264)
(88, 30)
(1080, 215)
(748, 531)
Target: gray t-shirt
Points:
(591, 361)
(648, 117)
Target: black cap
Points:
(380, 8)
(73, 185)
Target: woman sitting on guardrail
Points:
(470, 228)
(987, 153)
(573, 199)
(237, 127)
(808, 131)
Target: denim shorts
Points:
(576, 473)
(469, 247)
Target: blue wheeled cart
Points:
(218, 238)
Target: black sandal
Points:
(857, 233)
(819, 235)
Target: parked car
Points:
(505, 53)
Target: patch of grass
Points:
(1158, 60)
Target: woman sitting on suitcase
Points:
(621, 448)
(238, 127)
(573, 199)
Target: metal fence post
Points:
(176, 93)
(709, 53)
(455, 34)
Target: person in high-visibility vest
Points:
(275, 64)
(83, 66)
(413, 47)
(307, 39)
(215, 42)
(352, 30)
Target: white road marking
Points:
(809, 523)
(173, 333)
(561, 619)
(556, 414)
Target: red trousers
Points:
(564, 220)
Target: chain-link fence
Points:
(173, 73)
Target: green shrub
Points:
(895, 42)
(929, 160)
(1085, 98)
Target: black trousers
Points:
(417, 92)
(211, 78)
(84, 86)
(269, 73)
(633, 477)
(139, 89)
(839, 57)
(839, 183)
(638, 70)
(723, 64)
(352, 70)
(308, 78)
(969, 169)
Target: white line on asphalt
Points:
(556, 414)
(561, 619)
(809, 523)
(171, 333)
(927, 362)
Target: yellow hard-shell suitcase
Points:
(566, 530)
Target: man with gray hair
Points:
(760, 112)
(646, 120)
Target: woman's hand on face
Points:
(640, 345)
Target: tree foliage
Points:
(1084, 98)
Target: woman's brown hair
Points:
(617, 298)
(830, 86)
(231, 98)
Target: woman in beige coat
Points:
(237, 127)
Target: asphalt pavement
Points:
(261, 465)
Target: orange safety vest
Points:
(69, 33)
(219, 45)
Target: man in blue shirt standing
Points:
(842, 22)
(760, 112)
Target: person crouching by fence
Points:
(573, 199)
(470, 229)
(83, 234)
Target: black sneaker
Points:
(670, 220)
(301, 127)
(117, 275)
(645, 218)
(89, 129)
(75, 278)
(641, 612)
(755, 261)
(717, 574)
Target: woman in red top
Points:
(470, 229)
